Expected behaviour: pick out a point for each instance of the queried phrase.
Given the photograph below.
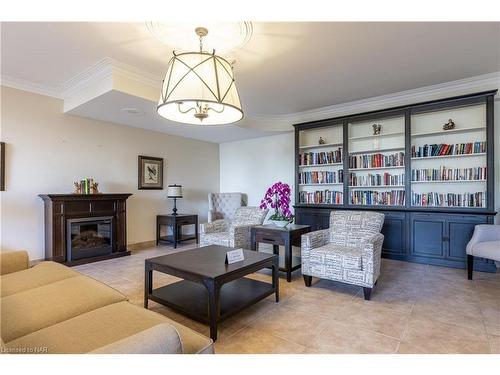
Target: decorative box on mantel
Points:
(84, 228)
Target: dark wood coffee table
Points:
(288, 236)
(211, 291)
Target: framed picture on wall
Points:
(2, 166)
(150, 173)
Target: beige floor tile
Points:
(427, 336)
(449, 311)
(432, 309)
(345, 338)
(256, 341)
(290, 324)
(370, 316)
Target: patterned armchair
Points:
(232, 233)
(223, 205)
(349, 251)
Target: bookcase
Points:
(427, 166)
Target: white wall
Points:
(47, 150)
(250, 166)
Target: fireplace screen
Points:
(90, 237)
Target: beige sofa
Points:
(51, 308)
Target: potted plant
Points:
(278, 197)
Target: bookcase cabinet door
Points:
(428, 235)
(394, 231)
(317, 220)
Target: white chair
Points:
(223, 205)
(485, 243)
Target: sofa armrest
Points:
(313, 240)
(241, 235)
(371, 253)
(483, 233)
(160, 339)
(214, 227)
(13, 261)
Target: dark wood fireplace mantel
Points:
(62, 207)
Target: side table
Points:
(176, 222)
(276, 236)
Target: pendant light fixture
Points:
(199, 89)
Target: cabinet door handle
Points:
(446, 239)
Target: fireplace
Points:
(89, 237)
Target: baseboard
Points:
(141, 245)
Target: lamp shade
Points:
(199, 89)
(174, 191)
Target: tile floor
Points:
(414, 309)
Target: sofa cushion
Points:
(487, 249)
(42, 274)
(13, 261)
(33, 309)
(92, 330)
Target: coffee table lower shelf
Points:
(191, 298)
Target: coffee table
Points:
(211, 291)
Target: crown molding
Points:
(35, 88)
(441, 90)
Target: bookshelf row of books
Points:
(324, 157)
(378, 198)
(321, 177)
(449, 174)
(376, 179)
(321, 197)
(377, 160)
(444, 149)
(432, 199)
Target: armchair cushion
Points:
(487, 249)
(216, 226)
(347, 228)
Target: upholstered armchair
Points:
(232, 233)
(223, 205)
(349, 251)
(485, 243)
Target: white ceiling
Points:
(285, 68)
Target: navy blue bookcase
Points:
(432, 234)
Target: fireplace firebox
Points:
(89, 237)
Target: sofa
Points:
(50, 308)
(485, 243)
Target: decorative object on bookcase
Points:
(85, 186)
(377, 128)
(321, 141)
(278, 197)
(449, 125)
(150, 173)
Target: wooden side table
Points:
(176, 222)
(287, 237)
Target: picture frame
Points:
(150, 173)
(2, 166)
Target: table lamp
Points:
(174, 191)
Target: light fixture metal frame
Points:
(175, 58)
